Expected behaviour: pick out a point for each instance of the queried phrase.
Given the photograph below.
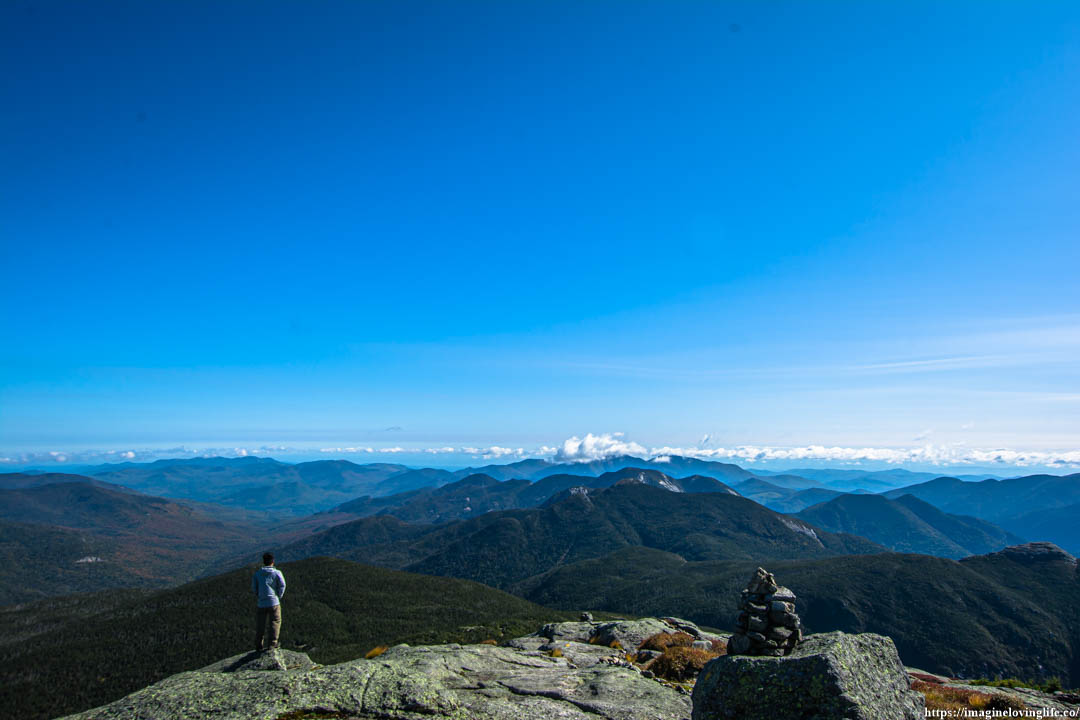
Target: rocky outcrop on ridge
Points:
(553, 673)
(833, 675)
(485, 682)
(615, 634)
(1036, 552)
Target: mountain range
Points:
(501, 548)
(659, 537)
(1036, 506)
(479, 493)
(304, 488)
(85, 536)
(907, 524)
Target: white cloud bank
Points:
(925, 455)
(598, 447)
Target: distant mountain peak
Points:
(1036, 552)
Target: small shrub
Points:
(680, 663)
(555, 652)
(376, 652)
(719, 646)
(615, 645)
(489, 641)
(662, 641)
(954, 700)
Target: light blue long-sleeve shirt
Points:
(268, 584)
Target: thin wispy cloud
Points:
(933, 353)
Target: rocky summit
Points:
(554, 673)
(569, 670)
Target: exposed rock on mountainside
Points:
(1037, 552)
(442, 681)
(553, 673)
(628, 634)
(834, 675)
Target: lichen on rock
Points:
(832, 675)
(485, 682)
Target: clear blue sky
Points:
(777, 224)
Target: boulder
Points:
(576, 631)
(832, 675)
(629, 633)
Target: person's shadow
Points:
(256, 660)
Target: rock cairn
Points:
(767, 623)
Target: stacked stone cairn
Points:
(767, 624)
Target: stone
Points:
(762, 583)
(782, 594)
(578, 631)
(739, 644)
(481, 682)
(586, 617)
(832, 675)
(779, 634)
(687, 627)
(629, 633)
(757, 624)
(702, 645)
(786, 619)
(781, 606)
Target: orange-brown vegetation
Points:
(680, 664)
(662, 641)
(954, 700)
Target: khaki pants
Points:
(273, 614)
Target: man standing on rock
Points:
(268, 584)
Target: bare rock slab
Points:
(470, 682)
(828, 676)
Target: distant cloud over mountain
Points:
(597, 447)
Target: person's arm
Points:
(281, 584)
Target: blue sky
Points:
(778, 225)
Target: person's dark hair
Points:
(268, 558)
